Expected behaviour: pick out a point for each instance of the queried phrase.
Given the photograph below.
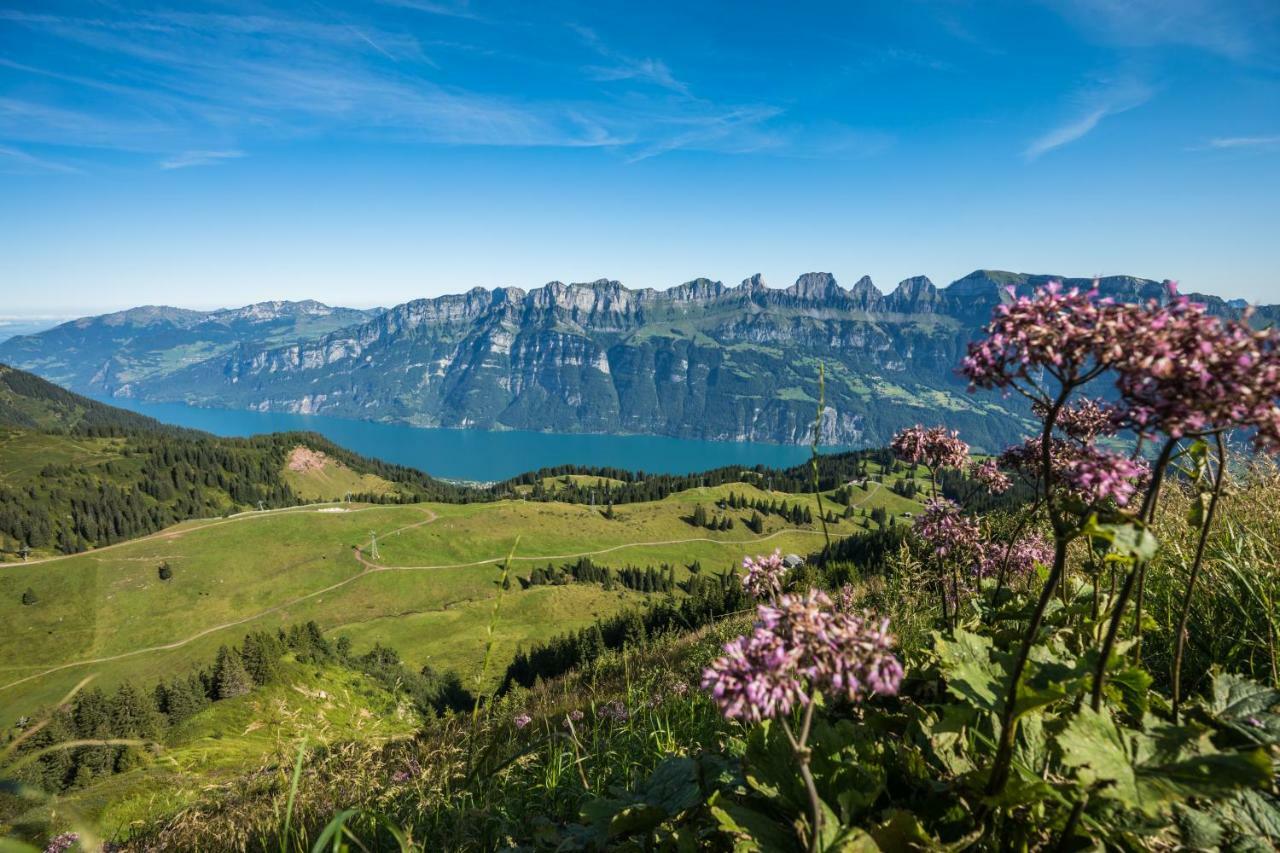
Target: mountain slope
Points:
(75, 473)
(701, 360)
(103, 355)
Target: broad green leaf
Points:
(1211, 775)
(970, 673)
(636, 818)
(903, 831)
(753, 830)
(673, 787)
(1093, 746)
(1128, 541)
(1237, 698)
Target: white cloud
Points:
(1245, 142)
(1092, 107)
(199, 158)
(14, 160)
(1238, 29)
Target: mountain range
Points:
(700, 360)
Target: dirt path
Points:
(537, 558)
(177, 644)
(171, 533)
(368, 568)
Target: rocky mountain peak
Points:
(914, 295)
(816, 287)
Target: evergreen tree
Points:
(229, 675)
(261, 656)
(133, 713)
(29, 596)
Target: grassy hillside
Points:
(29, 402)
(76, 474)
(316, 705)
(430, 593)
(315, 476)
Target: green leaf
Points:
(1236, 698)
(1212, 775)
(1128, 541)
(771, 767)
(1131, 685)
(1093, 746)
(636, 818)
(903, 831)
(673, 786)
(970, 673)
(753, 830)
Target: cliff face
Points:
(699, 360)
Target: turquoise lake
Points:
(465, 454)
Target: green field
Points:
(315, 705)
(429, 595)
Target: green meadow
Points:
(430, 594)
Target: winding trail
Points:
(196, 524)
(369, 568)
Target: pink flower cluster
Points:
(951, 533)
(1085, 420)
(936, 447)
(521, 720)
(988, 473)
(1068, 332)
(1087, 472)
(1095, 475)
(1192, 373)
(764, 575)
(1018, 558)
(615, 711)
(1178, 369)
(798, 644)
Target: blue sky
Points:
(208, 154)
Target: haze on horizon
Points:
(216, 154)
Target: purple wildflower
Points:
(764, 575)
(801, 641)
(521, 720)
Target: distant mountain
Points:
(103, 355)
(701, 360)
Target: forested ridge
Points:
(131, 475)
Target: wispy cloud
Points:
(1241, 30)
(448, 10)
(1245, 142)
(623, 67)
(1092, 107)
(188, 159)
(210, 86)
(14, 160)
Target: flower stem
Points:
(1126, 589)
(1180, 638)
(1004, 750)
(800, 747)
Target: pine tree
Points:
(29, 596)
(261, 657)
(133, 714)
(229, 675)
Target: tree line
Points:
(709, 598)
(133, 713)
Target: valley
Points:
(106, 612)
